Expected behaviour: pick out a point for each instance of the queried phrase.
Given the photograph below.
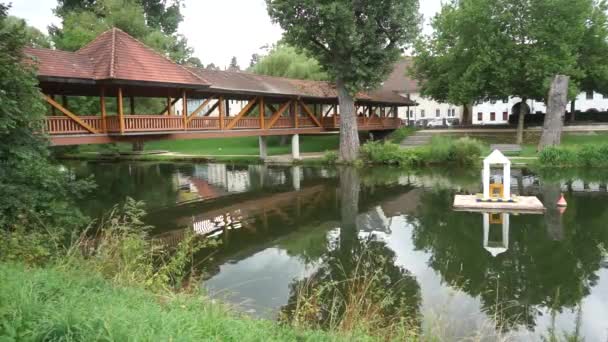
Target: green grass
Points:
(242, 146)
(58, 304)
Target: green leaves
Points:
(356, 42)
(286, 61)
(491, 49)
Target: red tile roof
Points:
(399, 79)
(113, 55)
(261, 84)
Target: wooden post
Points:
(184, 109)
(53, 110)
(132, 104)
(293, 110)
(121, 117)
(221, 111)
(102, 105)
(262, 112)
(227, 108)
(169, 106)
(335, 115)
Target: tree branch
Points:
(319, 44)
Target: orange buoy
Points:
(562, 202)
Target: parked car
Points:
(438, 123)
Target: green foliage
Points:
(286, 61)
(356, 42)
(378, 152)
(71, 304)
(36, 195)
(442, 150)
(330, 157)
(472, 56)
(462, 151)
(566, 156)
(150, 21)
(33, 36)
(400, 134)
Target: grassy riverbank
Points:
(58, 303)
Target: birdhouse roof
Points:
(496, 157)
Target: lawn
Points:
(229, 146)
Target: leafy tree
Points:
(36, 195)
(234, 65)
(33, 36)
(255, 58)
(212, 66)
(286, 61)
(82, 21)
(486, 49)
(356, 43)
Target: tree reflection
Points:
(357, 284)
(539, 263)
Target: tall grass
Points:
(442, 150)
(566, 156)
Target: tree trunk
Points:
(467, 114)
(556, 109)
(349, 134)
(523, 110)
(573, 110)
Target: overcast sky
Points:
(216, 29)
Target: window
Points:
(480, 116)
(438, 113)
(505, 100)
(492, 101)
(453, 112)
(505, 116)
(492, 116)
(589, 95)
(422, 113)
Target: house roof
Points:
(399, 79)
(113, 55)
(271, 85)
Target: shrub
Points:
(465, 151)
(377, 152)
(401, 133)
(330, 157)
(588, 155)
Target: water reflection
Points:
(281, 227)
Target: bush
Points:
(377, 152)
(401, 133)
(588, 155)
(330, 157)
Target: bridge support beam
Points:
(295, 147)
(296, 177)
(263, 147)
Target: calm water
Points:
(279, 226)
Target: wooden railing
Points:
(244, 123)
(149, 123)
(65, 125)
(159, 123)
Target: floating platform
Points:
(522, 204)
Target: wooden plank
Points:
(121, 116)
(278, 114)
(242, 113)
(184, 110)
(102, 105)
(199, 109)
(70, 114)
(262, 112)
(271, 107)
(221, 110)
(310, 114)
(212, 108)
(328, 110)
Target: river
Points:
(278, 226)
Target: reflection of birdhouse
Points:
(493, 246)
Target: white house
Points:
(427, 109)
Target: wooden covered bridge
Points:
(115, 74)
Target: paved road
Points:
(578, 128)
